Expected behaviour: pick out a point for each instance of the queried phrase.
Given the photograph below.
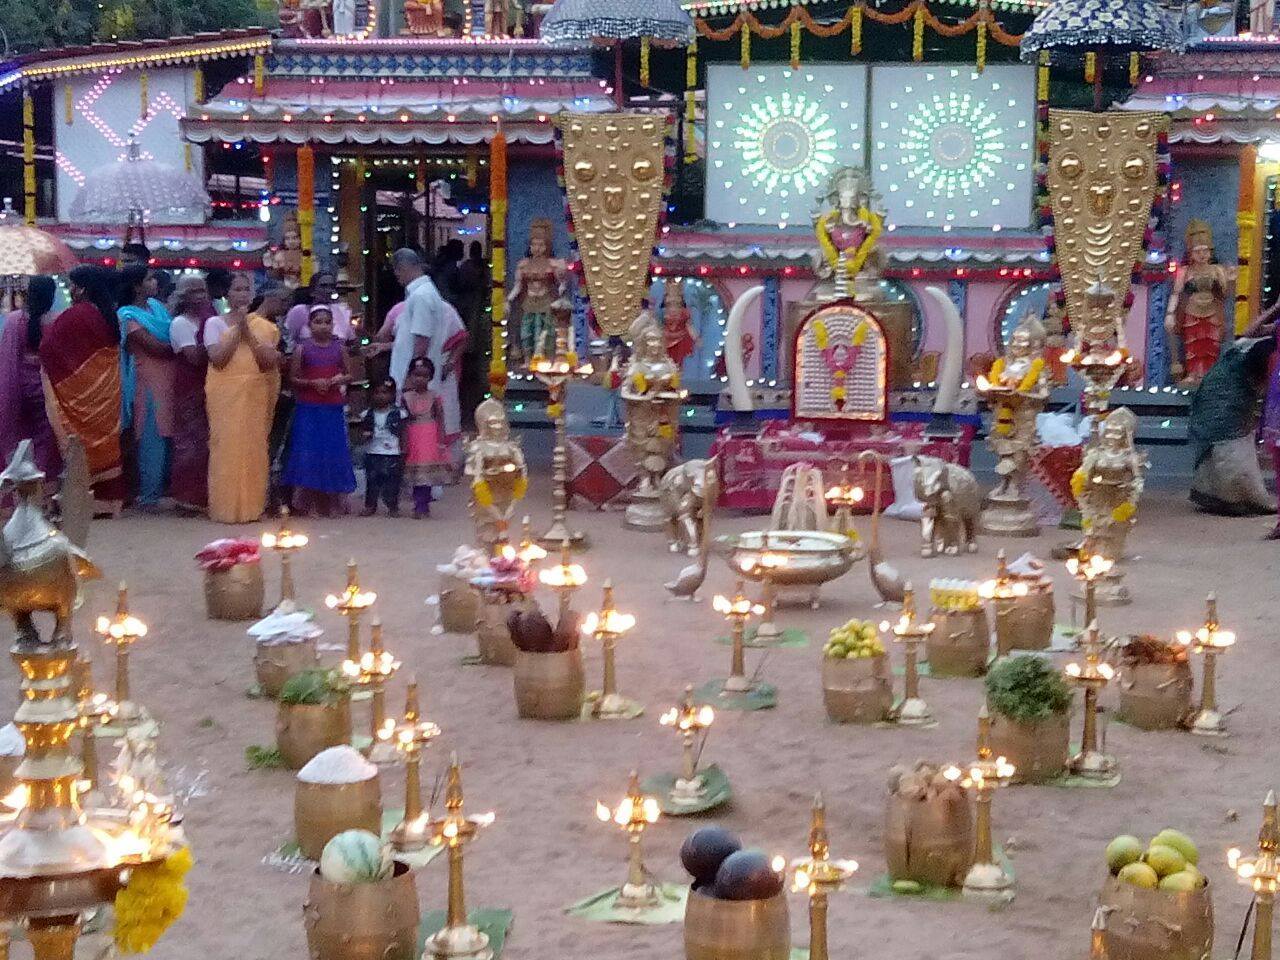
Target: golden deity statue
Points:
(652, 394)
(1017, 387)
(539, 280)
(495, 464)
(1197, 312)
(847, 234)
(1107, 487)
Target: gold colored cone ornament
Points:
(614, 177)
(1101, 180)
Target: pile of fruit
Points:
(1167, 863)
(952, 595)
(856, 640)
(722, 869)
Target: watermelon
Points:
(355, 856)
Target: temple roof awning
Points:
(226, 243)
(391, 111)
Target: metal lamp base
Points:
(1109, 591)
(738, 684)
(1208, 723)
(408, 839)
(559, 532)
(646, 512)
(1008, 516)
(383, 753)
(638, 896)
(614, 706)
(689, 791)
(462, 941)
(768, 630)
(914, 712)
(1092, 765)
(989, 882)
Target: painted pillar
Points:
(307, 208)
(1247, 226)
(770, 327)
(498, 263)
(1157, 357)
(28, 156)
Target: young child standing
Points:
(319, 461)
(426, 459)
(382, 429)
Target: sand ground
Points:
(546, 849)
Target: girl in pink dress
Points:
(426, 459)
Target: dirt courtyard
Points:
(547, 850)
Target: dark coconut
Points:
(747, 875)
(530, 631)
(704, 850)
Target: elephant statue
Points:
(951, 501)
(40, 569)
(686, 491)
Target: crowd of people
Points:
(208, 396)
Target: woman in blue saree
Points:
(146, 378)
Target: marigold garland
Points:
(645, 43)
(855, 31)
(482, 492)
(917, 35)
(1124, 512)
(153, 899)
(1090, 67)
(744, 49)
(795, 44)
(980, 51)
(555, 410)
(1077, 483)
(1135, 65)
(1028, 382)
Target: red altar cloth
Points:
(751, 465)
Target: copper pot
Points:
(321, 811)
(1147, 924)
(362, 921)
(275, 663)
(1037, 750)
(1025, 623)
(459, 604)
(549, 686)
(960, 643)
(856, 691)
(1155, 696)
(492, 635)
(234, 594)
(929, 840)
(736, 929)
(304, 729)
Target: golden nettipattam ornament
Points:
(375, 667)
(614, 179)
(285, 542)
(1211, 640)
(457, 938)
(633, 814)
(496, 468)
(352, 603)
(122, 631)
(1101, 184)
(1262, 873)
(818, 876)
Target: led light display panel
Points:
(775, 136)
(951, 147)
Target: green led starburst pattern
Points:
(786, 143)
(953, 144)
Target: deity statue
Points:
(285, 261)
(1197, 309)
(1108, 484)
(651, 391)
(1017, 387)
(539, 280)
(847, 234)
(677, 327)
(495, 464)
(425, 18)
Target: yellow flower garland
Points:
(1124, 512)
(1028, 383)
(154, 898)
(1077, 483)
(483, 493)
(820, 334)
(521, 487)
(640, 382)
(875, 227)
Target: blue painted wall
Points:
(1210, 189)
(533, 194)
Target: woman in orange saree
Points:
(80, 357)
(240, 395)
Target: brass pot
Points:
(304, 729)
(362, 921)
(459, 604)
(492, 635)
(736, 929)
(1147, 924)
(549, 686)
(234, 594)
(856, 691)
(1025, 623)
(321, 811)
(1037, 750)
(960, 643)
(1155, 696)
(931, 840)
(275, 663)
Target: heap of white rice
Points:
(285, 627)
(11, 742)
(338, 765)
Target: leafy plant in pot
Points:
(548, 677)
(1155, 683)
(1030, 706)
(314, 714)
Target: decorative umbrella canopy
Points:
(1102, 26)
(579, 21)
(26, 251)
(134, 190)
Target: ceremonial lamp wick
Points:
(819, 876)
(411, 738)
(737, 611)
(351, 603)
(455, 830)
(564, 579)
(284, 542)
(986, 878)
(1088, 568)
(122, 631)
(845, 496)
(1262, 872)
(1093, 675)
(689, 719)
(373, 669)
(608, 626)
(1211, 640)
(913, 711)
(633, 814)
(555, 373)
